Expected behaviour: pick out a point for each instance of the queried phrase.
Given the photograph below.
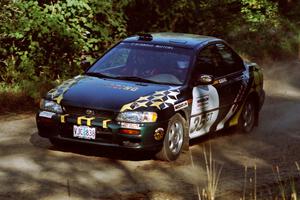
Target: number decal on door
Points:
(200, 121)
(205, 109)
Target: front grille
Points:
(82, 112)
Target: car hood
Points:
(111, 94)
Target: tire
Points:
(247, 118)
(174, 139)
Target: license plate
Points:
(84, 132)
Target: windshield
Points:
(145, 63)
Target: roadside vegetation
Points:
(281, 188)
(43, 42)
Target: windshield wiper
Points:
(128, 78)
(98, 74)
(135, 78)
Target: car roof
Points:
(174, 39)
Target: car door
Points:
(207, 99)
(213, 105)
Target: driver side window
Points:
(207, 61)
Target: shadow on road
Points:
(92, 150)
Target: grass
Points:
(281, 189)
(245, 183)
(281, 184)
(213, 172)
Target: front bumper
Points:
(107, 131)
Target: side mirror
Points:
(85, 64)
(205, 79)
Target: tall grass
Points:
(284, 189)
(281, 184)
(245, 183)
(213, 172)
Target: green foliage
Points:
(260, 12)
(44, 42)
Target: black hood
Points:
(101, 93)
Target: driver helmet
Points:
(182, 64)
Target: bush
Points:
(45, 41)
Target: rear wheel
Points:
(174, 139)
(247, 118)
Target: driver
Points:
(139, 64)
(182, 65)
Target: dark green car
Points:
(155, 92)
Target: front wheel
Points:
(174, 139)
(247, 118)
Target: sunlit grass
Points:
(281, 184)
(284, 189)
(213, 172)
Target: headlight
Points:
(50, 106)
(137, 117)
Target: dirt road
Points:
(31, 168)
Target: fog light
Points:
(159, 134)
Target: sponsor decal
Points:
(81, 119)
(222, 80)
(204, 110)
(152, 45)
(202, 102)
(200, 121)
(87, 119)
(234, 107)
(63, 118)
(130, 125)
(181, 105)
(122, 87)
(160, 100)
(105, 123)
(46, 114)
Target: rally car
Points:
(155, 92)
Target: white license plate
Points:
(84, 132)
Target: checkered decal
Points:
(58, 92)
(160, 100)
